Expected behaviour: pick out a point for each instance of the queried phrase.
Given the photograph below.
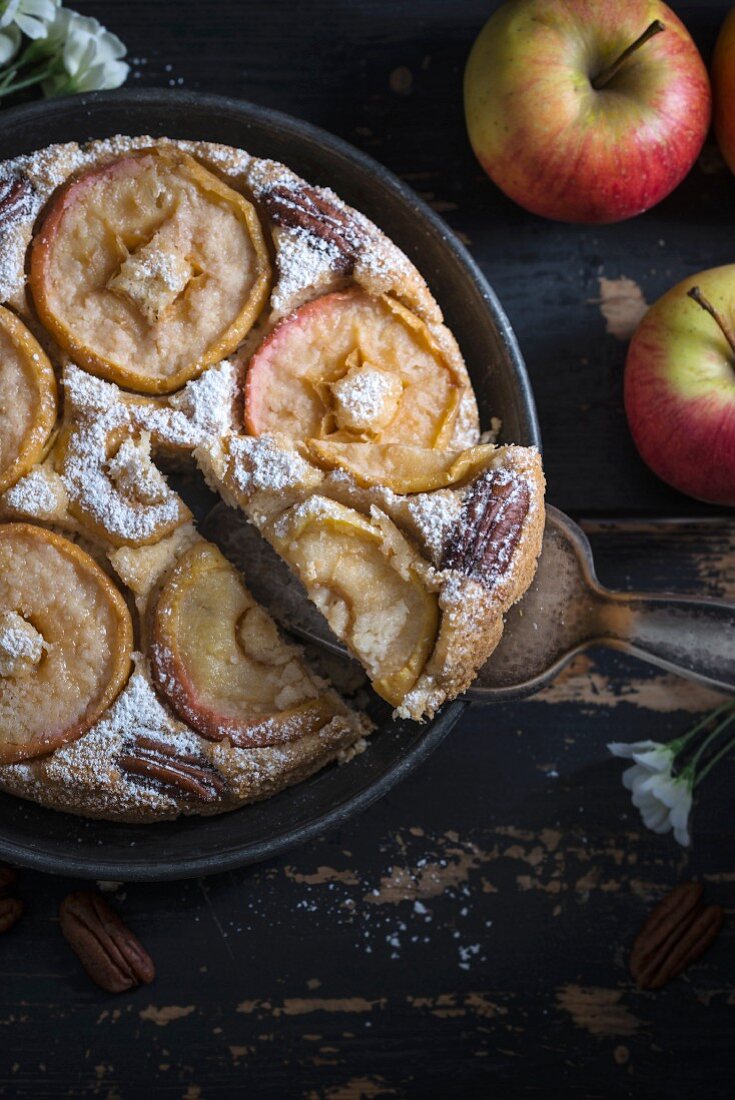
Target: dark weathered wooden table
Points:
(468, 935)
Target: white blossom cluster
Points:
(43, 43)
(663, 777)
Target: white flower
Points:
(90, 57)
(652, 755)
(664, 800)
(9, 43)
(30, 17)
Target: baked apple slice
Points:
(219, 660)
(27, 400)
(365, 580)
(350, 366)
(66, 641)
(148, 269)
(398, 468)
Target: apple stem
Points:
(607, 74)
(696, 295)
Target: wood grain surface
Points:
(468, 935)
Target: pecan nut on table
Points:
(112, 955)
(677, 933)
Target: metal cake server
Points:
(565, 610)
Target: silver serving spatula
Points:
(565, 610)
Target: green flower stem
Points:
(30, 53)
(729, 710)
(715, 759)
(8, 78)
(681, 742)
(28, 82)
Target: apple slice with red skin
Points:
(148, 269)
(353, 367)
(27, 397)
(66, 642)
(680, 386)
(218, 659)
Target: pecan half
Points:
(482, 542)
(10, 911)
(160, 763)
(111, 954)
(14, 195)
(306, 208)
(677, 933)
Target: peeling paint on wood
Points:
(602, 1012)
(166, 1014)
(622, 305)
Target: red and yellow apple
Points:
(680, 386)
(586, 110)
(723, 89)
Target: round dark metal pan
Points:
(60, 843)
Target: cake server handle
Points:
(688, 635)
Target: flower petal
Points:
(680, 813)
(634, 776)
(7, 16)
(9, 44)
(656, 760)
(622, 748)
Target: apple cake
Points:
(172, 305)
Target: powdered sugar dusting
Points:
(205, 407)
(21, 645)
(90, 759)
(124, 492)
(314, 507)
(366, 397)
(259, 463)
(87, 476)
(434, 515)
(40, 494)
